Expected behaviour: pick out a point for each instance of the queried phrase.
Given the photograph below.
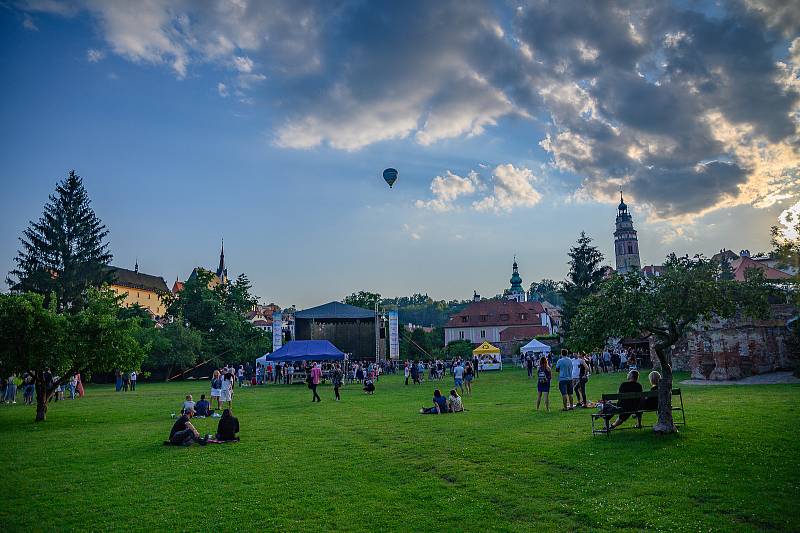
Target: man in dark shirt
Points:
(203, 407)
(228, 426)
(183, 432)
(628, 405)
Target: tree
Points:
(217, 315)
(462, 349)
(583, 278)
(688, 292)
(173, 346)
(66, 251)
(786, 249)
(35, 338)
(364, 299)
(547, 290)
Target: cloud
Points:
(243, 64)
(508, 187)
(414, 234)
(448, 188)
(28, 23)
(94, 56)
(690, 109)
(511, 187)
(222, 89)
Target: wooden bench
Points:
(640, 411)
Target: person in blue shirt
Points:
(458, 376)
(439, 405)
(564, 367)
(203, 407)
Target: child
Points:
(188, 405)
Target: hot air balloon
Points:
(390, 176)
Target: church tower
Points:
(222, 272)
(516, 292)
(626, 244)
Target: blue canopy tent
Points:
(294, 351)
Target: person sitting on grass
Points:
(228, 427)
(651, 403)
(369, 386)
(203, 407)
(183, 433)
(188, 405)
(454, 403)
(628, 406)
(439, 405)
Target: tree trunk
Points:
(41, 401)
(665, 422)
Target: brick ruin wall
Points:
(729, 349)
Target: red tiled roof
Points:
(497, 313)
(518, 333)
(261, 323)
(741, 265)
(177, 287)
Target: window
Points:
(484, 317)
(461, 335)
(483, 334)
(504, 317)
(464, 319)
(522, 316)
(630, 248)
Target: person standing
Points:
(29, 387)
(73, 384)
(476, 367)
(118, 379)
(240, 375)
(583, 378)
(315, 379)
(469, 375)
(529, 364)
(406, 372)
(544, 375)
(11, 389)
(80, 386)
(337, 378)
(458, 376)
(134, 377)
(564, 367)
(216, 388)
(226, 394)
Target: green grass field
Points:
(374, 463)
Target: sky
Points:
(513, 126)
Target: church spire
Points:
(136, 266)
(222, 271)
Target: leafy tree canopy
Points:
(363, 299)
(688, 292)
(34, 338)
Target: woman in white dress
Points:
(216, 388)
(226, 394)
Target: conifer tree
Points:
(584, 275)
(65, 251)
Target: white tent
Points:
(535, 347)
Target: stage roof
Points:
(335, 310)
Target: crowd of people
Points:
(13, 385)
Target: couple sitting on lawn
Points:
(183, 433)
(442, 405)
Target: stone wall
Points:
(736, 348)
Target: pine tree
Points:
(584, 276)
(66, 251)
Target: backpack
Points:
(216, 384)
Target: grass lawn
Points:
(374, 463)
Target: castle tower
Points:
(516, 292)
(626, 244)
